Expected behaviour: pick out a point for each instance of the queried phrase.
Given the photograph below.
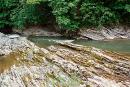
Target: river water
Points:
(111, 45)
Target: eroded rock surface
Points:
(9, 43)
(119, 32)
(64, 65)
(37, 31)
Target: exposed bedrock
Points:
(61, 65)
(104, 33)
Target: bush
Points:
(5, 7)
(65, 13)
(19, 14)
(68, 14)
(95, 14)
(72, 15)
(28, 14)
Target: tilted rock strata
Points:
(105, 33)
(65, 65)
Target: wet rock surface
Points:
(106, 33)
(63, 65)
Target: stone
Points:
(62, 65)
(91, 34)
(13, 36)
(8, 43)
(104, 33)
(108, 34)
(37, 31)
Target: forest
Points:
(70, 15)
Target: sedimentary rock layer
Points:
(62, 65)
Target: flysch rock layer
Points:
(61, 65)
(104, 33)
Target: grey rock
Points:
(37, 31)
(94, 36)
(8, 43)
(106, 33)
(91, 34)
(13, 36)
(65, 64)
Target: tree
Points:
(69, 15)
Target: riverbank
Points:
(63, 64)
(106, 33)
(102, 33)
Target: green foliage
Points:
(127, 7)
(121, 8)
(65, 13)
(68, 14)
(4, 13)
(27, 14)
(95, 14)
(21, 13)
(72, 15)
(33, 1)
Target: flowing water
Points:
(112, 45)
(45, 41)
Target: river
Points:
(111, 45)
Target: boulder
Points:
(9, 43)
(91, 34)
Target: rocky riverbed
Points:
(102, 33)
(23, 64)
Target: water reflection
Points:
(7, 61)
